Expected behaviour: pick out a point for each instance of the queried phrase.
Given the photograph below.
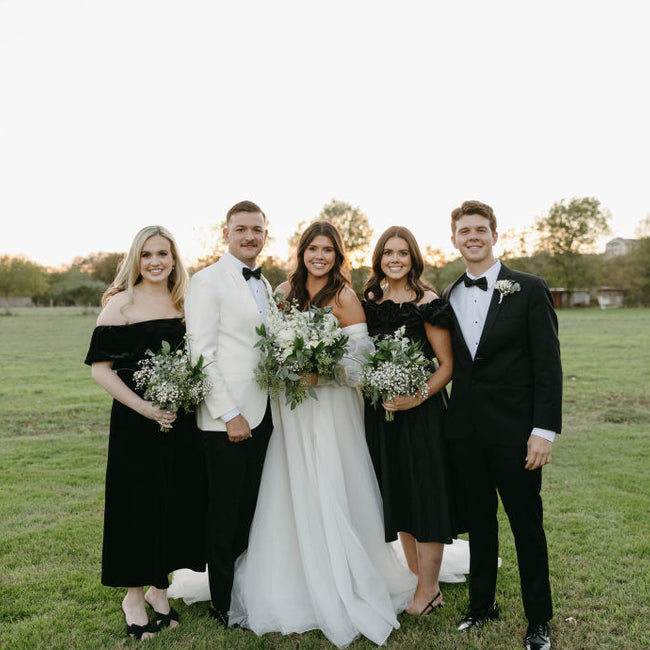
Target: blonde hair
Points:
(128, 272)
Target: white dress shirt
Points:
(471, 305)
(257, 288)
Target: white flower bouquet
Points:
(397, 367)
(296, 343)
(170, 381)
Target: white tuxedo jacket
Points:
(221, 316)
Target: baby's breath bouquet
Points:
(295, 343)
(170, 381)
(397, 367)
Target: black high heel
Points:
(431, 606)
(136, 631)
(163, 620)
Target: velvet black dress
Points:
(154, 517)
(409, 453)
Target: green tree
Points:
(638, 277)
(570, 231)
(20, 277)
(100, 266)
(439, 276)
(275, 271)
(353, 225)
(359, 275)
(74, 286)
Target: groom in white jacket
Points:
(225, 303)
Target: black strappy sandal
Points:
(431, 606)
(164, 620)
(136, 631)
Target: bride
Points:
(316, 556)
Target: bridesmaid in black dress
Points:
(154, 514)
(408, 453)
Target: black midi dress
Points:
(409, 453)
(154, 517)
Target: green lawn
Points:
(53, 439)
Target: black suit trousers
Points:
(483, 471)
(234, 471)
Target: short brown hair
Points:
(473, 207)
(244, 206)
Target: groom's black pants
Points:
(234, 470)
(481, 471)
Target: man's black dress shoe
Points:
(537, 637)
(219, 616)
(478, 619)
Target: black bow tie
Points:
(481, 283)
(247, 273)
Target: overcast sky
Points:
(116, 114)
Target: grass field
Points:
(53, 440)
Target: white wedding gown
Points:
(316, 556)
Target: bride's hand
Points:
(402, 402)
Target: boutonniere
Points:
(506, 287)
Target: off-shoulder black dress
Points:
(409, 453)
(154, 517)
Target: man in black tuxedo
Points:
(504, 411)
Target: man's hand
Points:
(238, 429)
(539, 452)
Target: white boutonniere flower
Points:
(506, 287)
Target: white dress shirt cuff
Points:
(226, 417)
(543, 433)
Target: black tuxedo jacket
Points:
(514, 383)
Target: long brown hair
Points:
(128, 272)
(338, 276)
(373, 283)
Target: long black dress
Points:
(409, 453)
(154, 518)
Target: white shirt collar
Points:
(490, 275)
(239, 263)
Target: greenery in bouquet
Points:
(170, 380)
(296, 343)
(397, 367)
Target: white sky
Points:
(116, 114)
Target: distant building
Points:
(610, 297)
(603, 297)
(618, 246)
(16, 301)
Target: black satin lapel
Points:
(490, 318)
(494, 309)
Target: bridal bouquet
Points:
(295, 343)
(397, 367)
(170, 381)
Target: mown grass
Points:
(53, 439)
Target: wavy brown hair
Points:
(373, 283)
(338, 276)
(473, 207)
(128, 272)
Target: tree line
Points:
(559, 247)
